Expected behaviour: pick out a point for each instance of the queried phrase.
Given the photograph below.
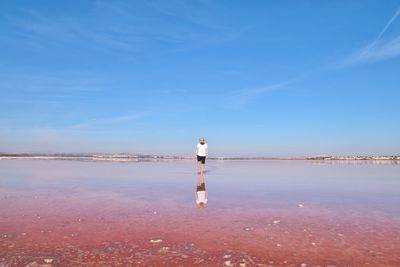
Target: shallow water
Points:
(259, 213)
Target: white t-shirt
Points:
(201, 197)
(201, 149)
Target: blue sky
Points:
(272, 78)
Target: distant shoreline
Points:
(138, 157)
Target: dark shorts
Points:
(202, 159)
(201, 187)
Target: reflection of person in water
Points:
(201, 192)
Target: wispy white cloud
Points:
(37, 31)
(106, 122)
(54, 88)
(58, 134)
(240, 98)
(381, 51)
(123, 27)
(258, 91)
(382, 32)
(378, 49)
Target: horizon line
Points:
(19, 154)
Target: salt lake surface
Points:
(258, 213)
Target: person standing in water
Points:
(201, 154)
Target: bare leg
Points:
(198, 167)
(199, 180)
(202, 168)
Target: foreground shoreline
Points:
(275, 213)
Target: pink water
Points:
(259, 213)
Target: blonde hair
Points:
(201, 205)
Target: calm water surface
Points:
(258, 213)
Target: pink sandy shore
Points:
(101, 229)
(71, 213)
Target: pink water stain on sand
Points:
(58, 213)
